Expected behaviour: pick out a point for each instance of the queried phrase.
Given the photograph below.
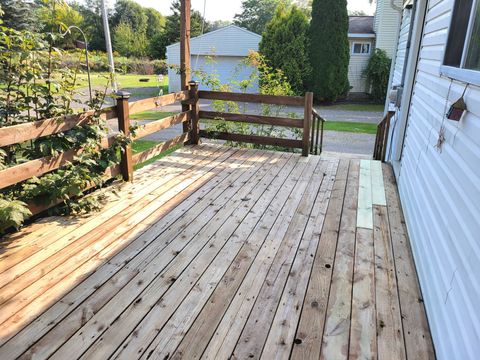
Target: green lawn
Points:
(142, 145)
(355, 107)
(355, 127)
(124, 81)
(151, 115)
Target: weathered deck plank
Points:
(214, 253)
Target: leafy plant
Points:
(30, 91)
(377, 73)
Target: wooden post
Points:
(307, 120)
(185, 6)
(195, 108)
(126, 163)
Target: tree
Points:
(218, 24)
(127, 42)
(329, 49)
(357, 13)
(128, 11)
(155, 22)
(92, 24)
(17, 14)
(58, 15)
(285, 45)
(256, 14)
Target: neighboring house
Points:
(219, 52)
(361, 38)
(437, 163)
(365, 33)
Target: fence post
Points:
(307, 120)
(126, 163)
(195, 108)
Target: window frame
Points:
(361, 43)
(461, 73)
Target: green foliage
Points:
(155, 22)
(287, 34)
(35, 86)
(377, 73)
(272, 82)
(92, 24)
(57, 15)
(17, 14)
(12, 213)
(127, 42)
(256, 14)
(329, 49)
(131, 13)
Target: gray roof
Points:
(360, 25)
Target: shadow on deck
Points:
(217, 252)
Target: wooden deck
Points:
(214, 252)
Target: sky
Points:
(226, 9)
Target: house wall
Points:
(386, 23)
(440, 193)
(400, 56)
(357, 64)
(228, 46)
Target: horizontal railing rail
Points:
(21, 133)
(304, 123)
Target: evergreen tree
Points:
(256, 14)
(285, 43)
(17, 14)
(329, 49)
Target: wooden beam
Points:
(307, 120)
(126, 163)
(154, 126)
(152, 103)
(160, 148)
(253, 98)
(185, 6)
(252, 119)
(254, 139)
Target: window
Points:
(463, 46)
(361, 48)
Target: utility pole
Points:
(108, 44)
(185, 7)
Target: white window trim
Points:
(461, 74)
(361, 43)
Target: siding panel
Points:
(440, 192)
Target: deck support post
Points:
(185, 70)
(126, 162)
(195, 108)
(307, 120)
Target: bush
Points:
(377, 74)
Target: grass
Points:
(124, 81)
(143, 145)
(151, 115)
(354, 127)
(356, 107)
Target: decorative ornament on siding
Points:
(458, 108)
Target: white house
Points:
(219, 52)
(365, 33)
(437, 163)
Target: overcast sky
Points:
(226, 9)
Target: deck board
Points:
(215, 253)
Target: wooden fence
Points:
(189, 117)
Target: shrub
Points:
(377, 73)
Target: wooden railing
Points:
(381, 139)
(316, 142)
(306, 102)
(189, 117)
(18, 134)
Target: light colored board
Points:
(204, 327)
(365, 210)
(156, 278)
(311, 323)
(253, 336)
(390, 341)
(281, 339)
(237, 255)
(363, 332)
(378, 189)
(418, 341)
(137, 255)
(117, 238)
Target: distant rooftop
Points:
(360, 25)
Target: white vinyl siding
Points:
(400, 58)
(440, 192)
(386, 23)
(228, 46)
